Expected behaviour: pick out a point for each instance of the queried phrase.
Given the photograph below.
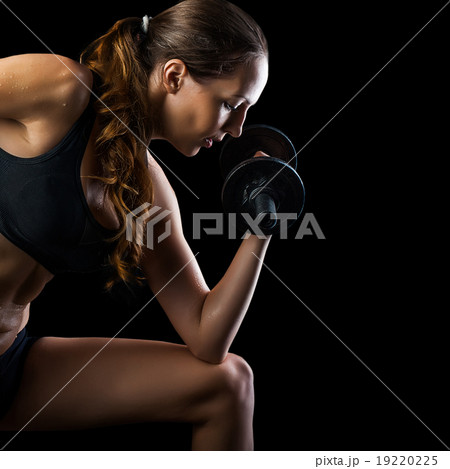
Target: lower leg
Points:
(225, 433)
(229, 425)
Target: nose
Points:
(235, 124)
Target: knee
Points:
(235, 381)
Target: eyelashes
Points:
(230, 108)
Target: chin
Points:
(190, 152)
(186, 150)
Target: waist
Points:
(7, 337)
(21, 281)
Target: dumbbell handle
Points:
(264, 203)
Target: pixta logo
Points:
(148, 218)
(309, 226)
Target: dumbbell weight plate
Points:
(274, 177)
(256, 138)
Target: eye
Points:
(229, 107)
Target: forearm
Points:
(227, 303)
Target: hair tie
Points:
(145, 23)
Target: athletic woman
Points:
(71, 168)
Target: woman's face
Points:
(193, 115)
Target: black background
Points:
(375, 180)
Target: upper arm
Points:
(34, 84)
(171, 267)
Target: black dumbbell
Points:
(264, 186)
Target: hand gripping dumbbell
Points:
(265, 186)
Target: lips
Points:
(210, 140)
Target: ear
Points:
(174, 74)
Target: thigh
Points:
(88, 382)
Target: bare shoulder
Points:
(34, 85)
(164, 195)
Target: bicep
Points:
(172, 270)
(175, 279)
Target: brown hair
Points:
(212, 38)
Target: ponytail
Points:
(125, 132)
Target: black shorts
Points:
(11, 369)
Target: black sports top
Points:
(43, 210)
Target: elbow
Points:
(209, 356)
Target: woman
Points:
(72, 168)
